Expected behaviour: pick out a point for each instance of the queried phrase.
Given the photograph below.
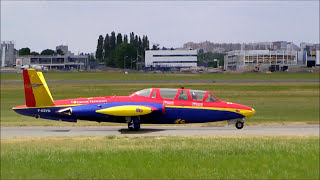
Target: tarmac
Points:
(29, 132)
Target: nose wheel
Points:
(133, 123)
(239, 125)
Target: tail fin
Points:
(36, 91)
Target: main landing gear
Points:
(133, 123)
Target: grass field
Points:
(214, 157)
(274, 102)
(56, 76)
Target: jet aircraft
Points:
(153, 105)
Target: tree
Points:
(136, 42)
(119, 38)
(112, 45)
(60, 52)
(209, 58)
(106, 47)
(48, 52)
(99, 51)
(126, 55)
(145, 43)
(140, 47)
(155, 47)
(91, 57)
(24, 51)
(132, 38)
(113, 41)
(33, 53)
(125, 38)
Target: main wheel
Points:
(134, 124)
(239, 125)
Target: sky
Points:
(45, 24)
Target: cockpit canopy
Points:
(176, 94)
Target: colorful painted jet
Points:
(154, 105)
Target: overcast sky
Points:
(39, 25)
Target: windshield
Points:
(211, 98)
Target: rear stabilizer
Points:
(36, 90)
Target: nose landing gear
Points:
(133, 123)
(239, 124)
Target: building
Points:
(226, 47)
(67, 61)
(166, 59)
(64, 62)
(7, 54)
(273, 60)
(309, 54)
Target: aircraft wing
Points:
(128, 110)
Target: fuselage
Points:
(164, 110)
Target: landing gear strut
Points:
(133, 123)
(239, 124)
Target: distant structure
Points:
(167, 59)
(273, 60)
(64, 49)
(309, 54)
(7, 54)
(68, 61)
(208, 46)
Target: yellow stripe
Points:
(127, 110)
(244, 112)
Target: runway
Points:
(26, 132)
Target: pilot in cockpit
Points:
(194, 96)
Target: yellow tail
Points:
(37, 93)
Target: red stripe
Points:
(163, 109)
(30, 101)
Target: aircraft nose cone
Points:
(250, 113)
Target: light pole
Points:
(124, 62)
(137, 60)
(217, 60)
(132, 62)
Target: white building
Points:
(158, 59)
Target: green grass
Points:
(214, 157)
(53, 76)
(273, 102)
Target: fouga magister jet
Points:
(154, 105)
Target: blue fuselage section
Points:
(163, 115)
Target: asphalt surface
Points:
(24, 132)
(175, 81)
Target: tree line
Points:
(47, 52)
(120, 50)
